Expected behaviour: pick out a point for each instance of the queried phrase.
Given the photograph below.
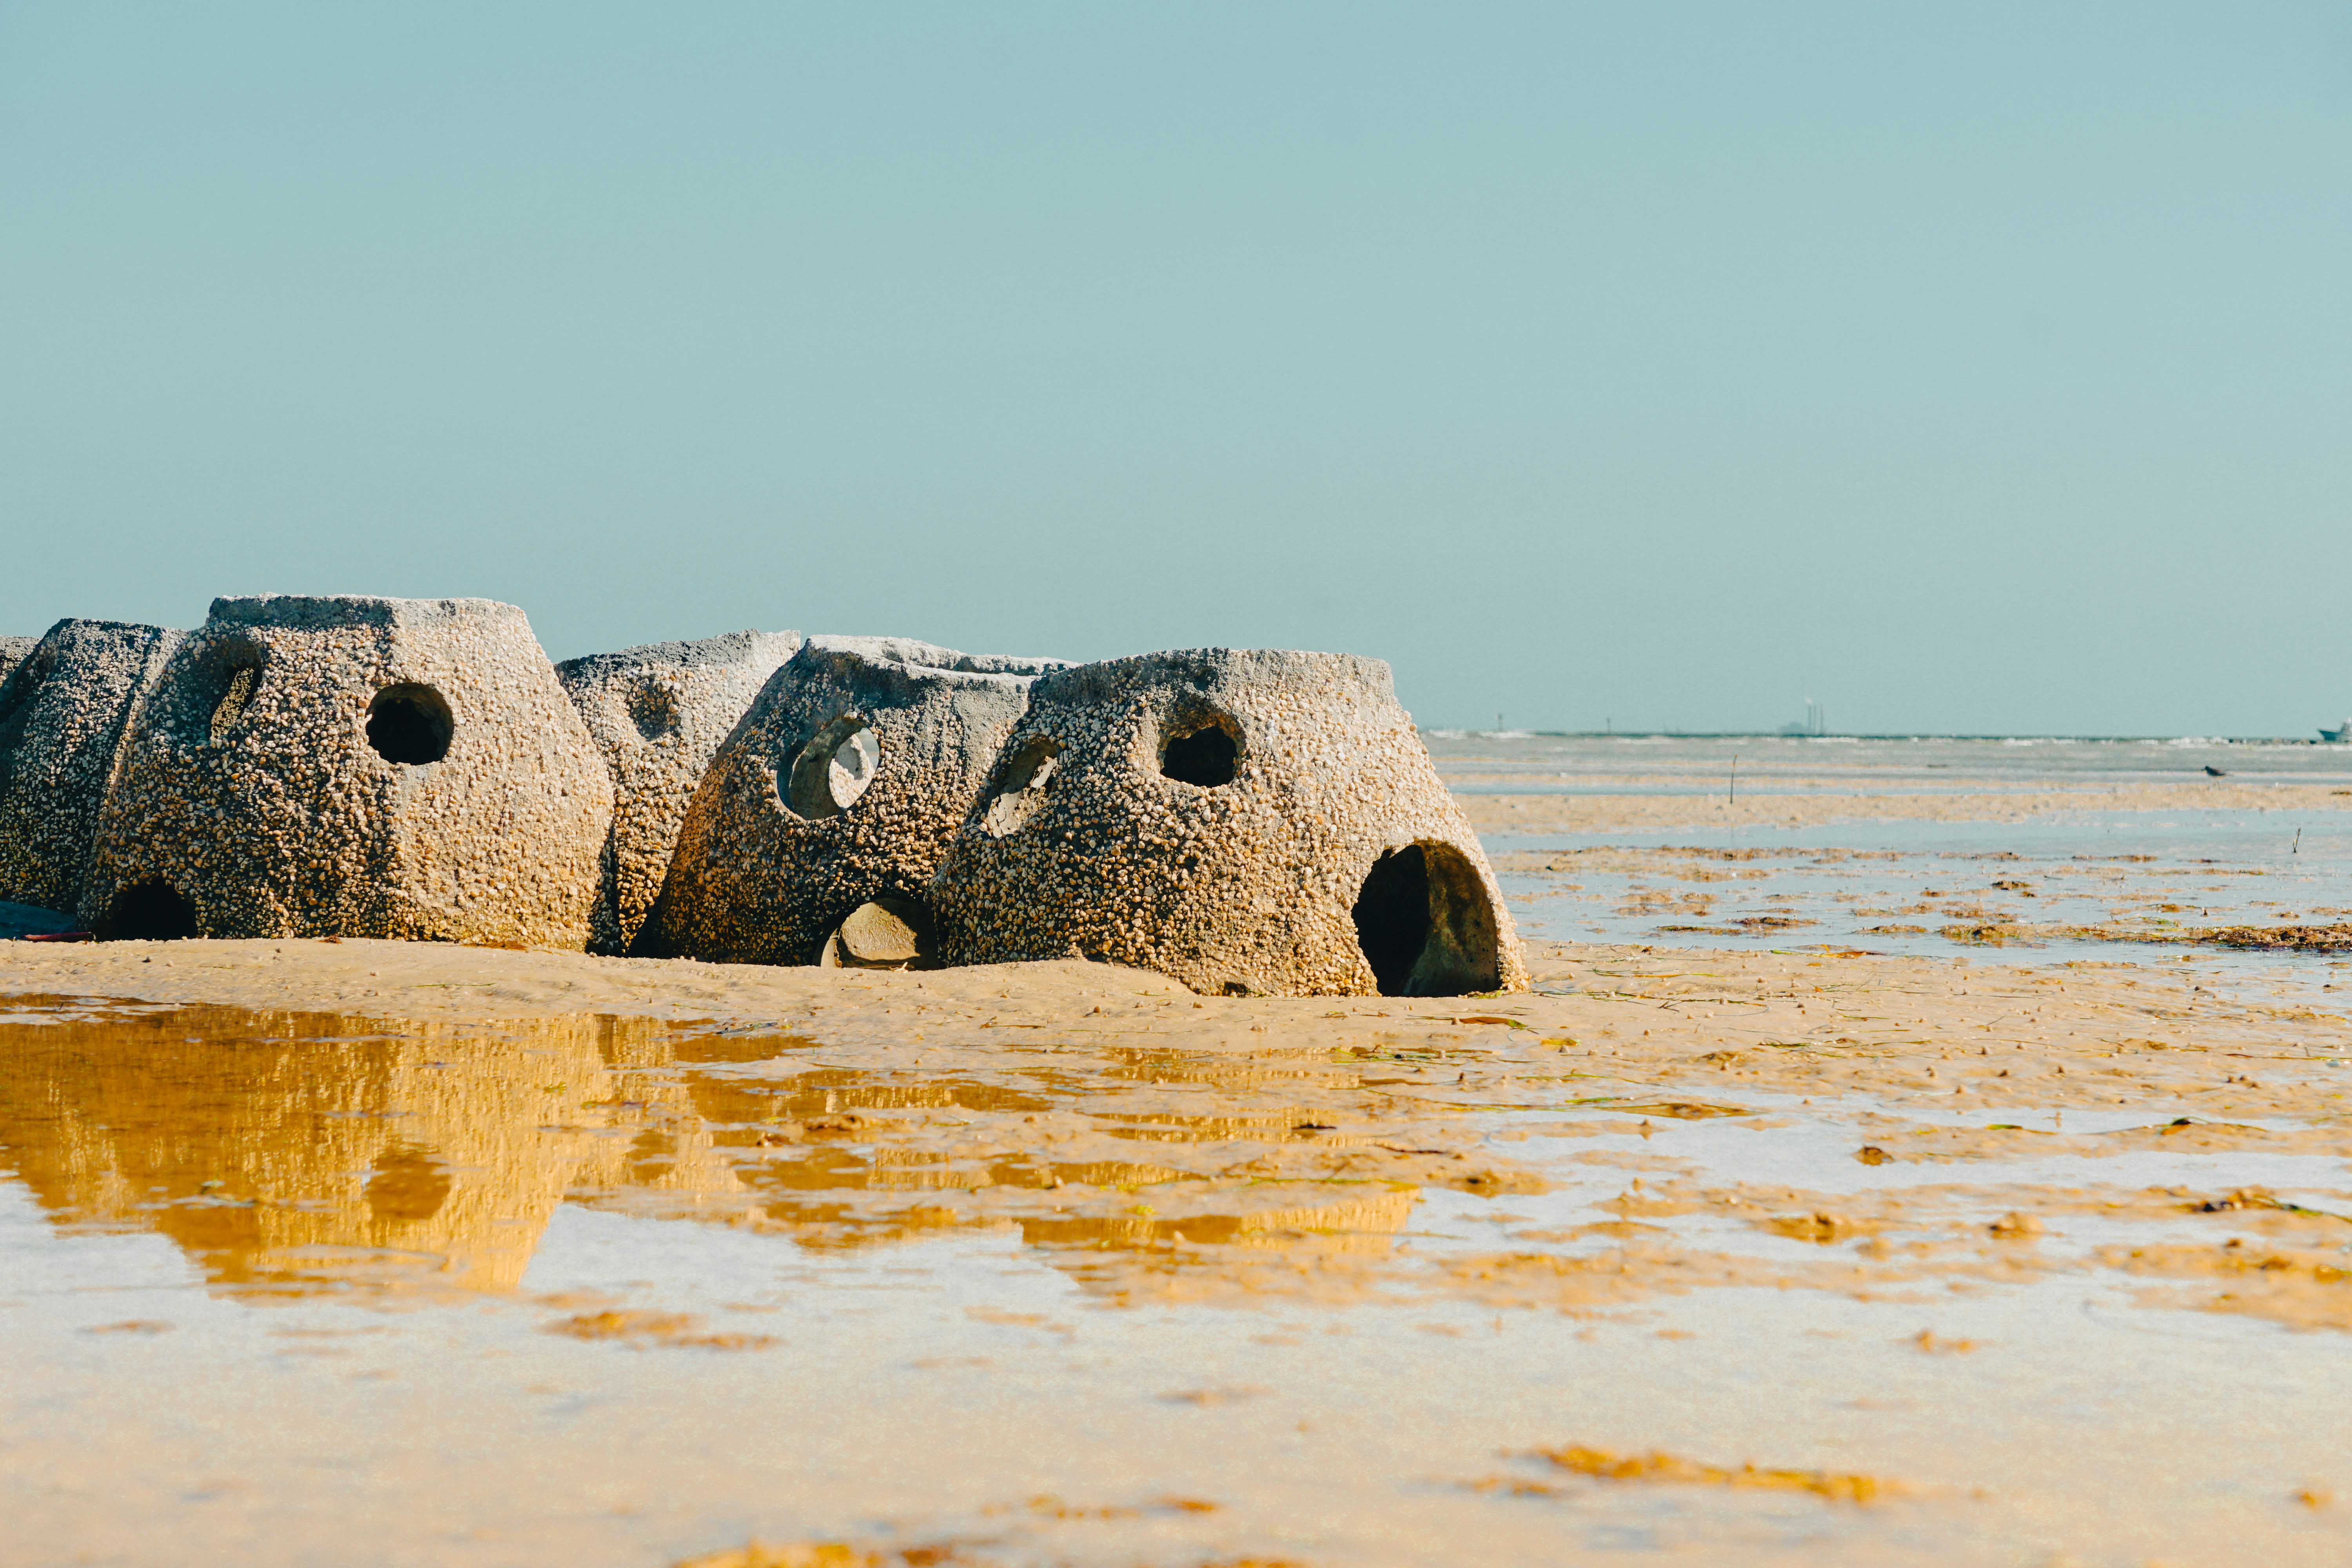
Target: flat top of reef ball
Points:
(924, 655)
(1078, 682)
(119, 646)
(299, 610)
(726, 649)
(86, 624)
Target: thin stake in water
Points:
(1734, 779)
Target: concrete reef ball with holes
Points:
(1245, 821)
(815, 832)
(63, 711)
(399, 768)
(659, 714)
(13, 652)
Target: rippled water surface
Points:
(297, 1288)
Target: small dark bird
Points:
(2215, 771)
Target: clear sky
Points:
(1979, 368)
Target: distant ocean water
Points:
(1903, 884)
(1879, 759)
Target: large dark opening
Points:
(1392, 917)
(1203, 757)
(410, 723)
(148, 911)
(1426, 923)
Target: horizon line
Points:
(1861, 735)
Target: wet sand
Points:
(1784, 803)
(397, 1254)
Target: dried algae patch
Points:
(641, 1329)
(2282, 938)
(1660, 1468)
(939, 1554)
(812, 1554)
(1017, 1532)
(2296, 1288)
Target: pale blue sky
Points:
(1987, 368)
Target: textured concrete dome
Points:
(657, 714)
(12, 653)
(819, 823)
(398, 768)
(63, 712)
(1242, 821)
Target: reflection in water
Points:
(279, 1150)
(290, 1151)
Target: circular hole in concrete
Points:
(410, 723)
(1205, 755)
(147, 910)
(1022, 785)
(237, 693)
(835, 767)
(1425, 925)
(885, 933)
(653, 708)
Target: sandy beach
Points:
(1818, 1255)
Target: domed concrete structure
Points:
(346, 766)
(12, 653)
(818, 825)
(63, 712)
(658, 713)
(1245, 822)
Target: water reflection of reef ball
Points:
(283, 1149)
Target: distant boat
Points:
(2338, 736)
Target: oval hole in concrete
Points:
(235, 694)
(1425, 925)
(1022, 787)
(835, 767)
(410, 723)
(1205, 755)
(147, 910)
